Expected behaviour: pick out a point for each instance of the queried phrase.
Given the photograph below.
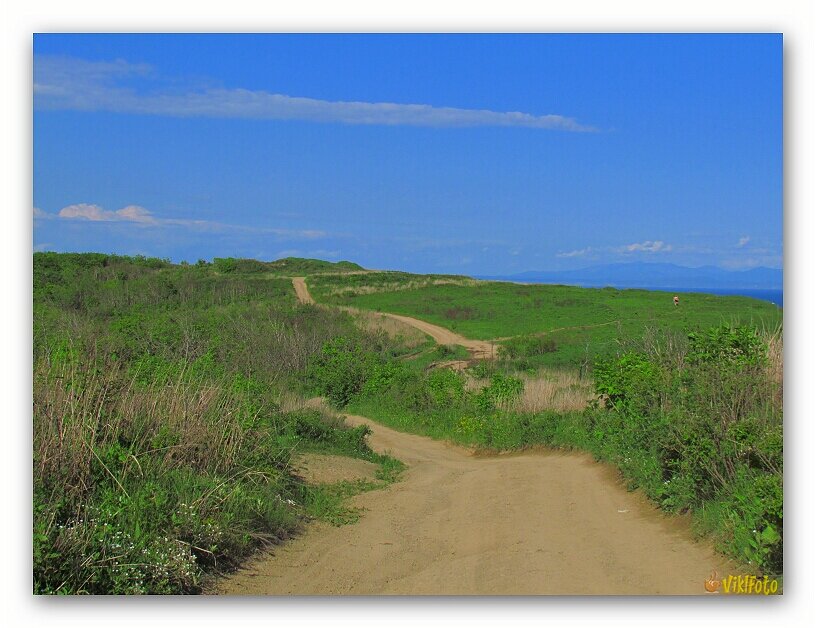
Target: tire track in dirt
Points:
(536, 522)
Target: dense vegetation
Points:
(162, 437)
(693, 420)
(547, 325)
(166, 412)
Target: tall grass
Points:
(560, 391)
(161, 443)
(138, 487)
(695, 422)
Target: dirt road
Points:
(478, 349)
(458, 524)
(302, 291)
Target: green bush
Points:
(341, 369)
(445, 387)
(632, 379)
(701, 430)
(737, 346)
(501, 390)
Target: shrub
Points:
(461, 313)
(628, 380)
(445, 387)
(160, 448)
(499, 393)
(701, 430)
(341, 369)
(737, 346)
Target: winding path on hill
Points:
(478, 349)
(534, 522)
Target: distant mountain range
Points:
(645, 275)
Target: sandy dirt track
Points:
(478, 349)
(459, 524)
(302, 291)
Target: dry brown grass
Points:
(775, 362)
(553, 390)
(290, 402)
(546, 390)
(79, 410)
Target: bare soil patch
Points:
(534, 522)
(327, 469)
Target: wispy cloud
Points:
(647, 246)
(575, 253)
(95, 213)
(743, 241)
(145, 218)
(119, 86)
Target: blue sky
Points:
(435, 153)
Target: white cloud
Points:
(743, 241)
(142, 216)
(78, 84)
(45, 246)
(647, 246)
(134, 213)
(95, 213)
(576, 253)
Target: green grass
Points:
(695, 423)
(328, 501)
(581, 322)
(161, 450)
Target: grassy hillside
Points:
(168, 403)
(286, 267)
(575, 323)
(166, 412)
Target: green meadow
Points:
(570, 325)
